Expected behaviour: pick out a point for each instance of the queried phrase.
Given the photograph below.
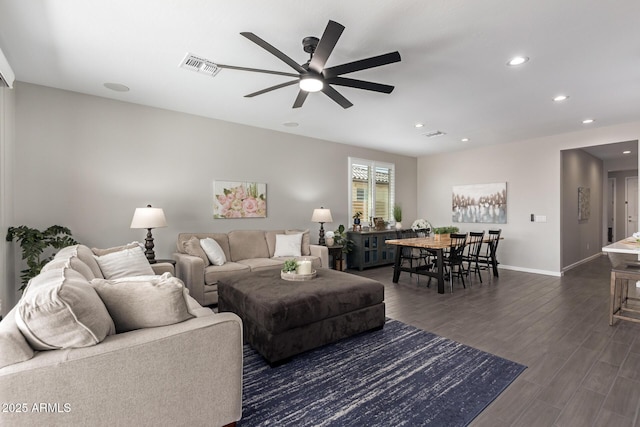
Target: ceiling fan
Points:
(312, 76)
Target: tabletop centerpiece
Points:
(297, 270)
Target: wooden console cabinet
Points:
(370, 249)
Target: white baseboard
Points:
(531, 270)
(575, 264)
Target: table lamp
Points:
(321, 215)
(149, 218)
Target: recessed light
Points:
(290, 124)
(465, 140)
(626, 152)
(116, 87)
(517, 60)
(588, 121)
(419, 125)
(560, 98)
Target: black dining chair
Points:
(417, 256)
(486, 257)
(474, 246)
(454, 257)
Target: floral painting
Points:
(480, 203)
(239, 199)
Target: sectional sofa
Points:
(79, 349)
(245, 251)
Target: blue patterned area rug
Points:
(396, 376)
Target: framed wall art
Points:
(232, 199)
(584, 203)
(485, 203)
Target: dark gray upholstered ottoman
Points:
(283, 318)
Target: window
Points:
(372, 188)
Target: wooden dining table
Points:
(436, 247)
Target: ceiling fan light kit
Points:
(311, 83)
(312, 76)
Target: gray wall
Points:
(87, 162)
(532, 171)
(7, 111)
(580, 239)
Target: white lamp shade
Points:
(148, 218)
(321, 215)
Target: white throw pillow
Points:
(60, 309)
(213, 250)
(124, 263)
(136, 304)
(288, 245)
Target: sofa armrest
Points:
(163, 267)
(189, 373)
(190, 269)
(321, 252)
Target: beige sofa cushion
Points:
(126, 262)
(221, 238)
(213, 251)
(144, 302)
(59, 309)
(213, 273)
(84, 254)
(101, 252)
(288, 245)
(247, 244)
(192, 247)
(15, 347)
(306, 240)
(72, 262)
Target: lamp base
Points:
(321, 240)
(148, 245)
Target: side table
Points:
(335, 257)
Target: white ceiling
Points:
(453, 75)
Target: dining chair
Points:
(413, 255)
(454, 257)
(474, 246)
(485, 259)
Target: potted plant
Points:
(397, 216)
(34, 242)
(340, 238)
(356, 217)
(290, 266)
(329, 238)
(439, 231)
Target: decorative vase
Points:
(356, 221)
(329, 241)
(398, 226)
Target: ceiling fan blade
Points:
(302, 96)
(325, 46)
(360, 84)
(266, 46)
(363, 64)
(335, 95)
(256, 70)
(269, 89)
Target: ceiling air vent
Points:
(199, 65)
(434, 134)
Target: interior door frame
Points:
(626, 204)
(611, 187)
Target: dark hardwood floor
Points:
(581, 371)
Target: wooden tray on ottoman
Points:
(282, 318)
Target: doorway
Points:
(631, 204)
(611, 209)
